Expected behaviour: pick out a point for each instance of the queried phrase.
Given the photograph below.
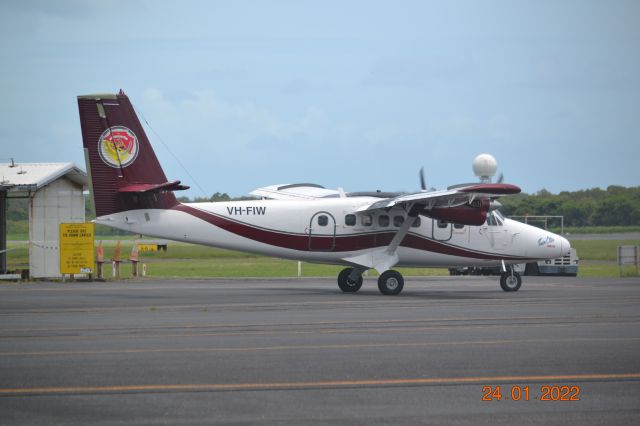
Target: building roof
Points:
(19, 177)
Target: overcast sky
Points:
(358, 94)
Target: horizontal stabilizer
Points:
(153, 187)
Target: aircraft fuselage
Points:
(332, 231)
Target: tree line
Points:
(614, 206)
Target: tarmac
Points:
(448, 350)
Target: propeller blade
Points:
(423, 183)
(501, 178)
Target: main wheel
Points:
(510, 281)
(346, 284)
(390, 282)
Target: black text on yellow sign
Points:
(76, 248)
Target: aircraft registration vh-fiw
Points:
(458, 226)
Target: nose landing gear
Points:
(510, 280)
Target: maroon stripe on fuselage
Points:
(343, 243)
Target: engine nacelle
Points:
(468, 214)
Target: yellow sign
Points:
(76, 248)
(147, 247)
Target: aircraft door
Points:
(442, 230)
(322, 232)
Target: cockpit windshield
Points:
(495, 218)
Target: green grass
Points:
(194, 261)
(17, 256)
(17, 233)
(596, 229)
(605, 270)
(600, 249)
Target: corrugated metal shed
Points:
(55, 196)
(29, 177)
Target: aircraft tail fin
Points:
(125, 172)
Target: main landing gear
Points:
(389, 282)
(350, 280)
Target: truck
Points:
(566, 265)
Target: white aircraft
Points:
(367, 230)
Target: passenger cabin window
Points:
(350, 220)
(458, 225)
(323, 220)
(398, 221)
(416, 223)
(383, 220)
(367, 220)
(442, 223)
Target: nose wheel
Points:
(510, 281)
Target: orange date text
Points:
(526, 393)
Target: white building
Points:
(55, 196)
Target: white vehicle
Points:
(566, 265)
(447, 228)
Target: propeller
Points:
(500, 178)
(423, 183)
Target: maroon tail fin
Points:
(125, 173)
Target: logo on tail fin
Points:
(118, 146)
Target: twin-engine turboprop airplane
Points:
(448, 228)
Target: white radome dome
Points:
(485, 165)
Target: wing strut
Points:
(404, 229)
(384, 258)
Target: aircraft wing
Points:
(296, 191)
(453, 197)
(452, 204)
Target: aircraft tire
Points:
(390, 282)
(510, 282)
(347, 285)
